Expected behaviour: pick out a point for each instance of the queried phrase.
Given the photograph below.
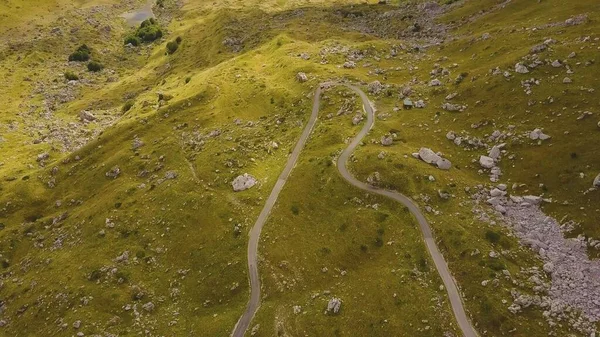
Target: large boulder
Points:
(486, 162)
(387, 140)
(243, 182)
(428, 156)
(521, 69)
(494, 152)
(443, 164)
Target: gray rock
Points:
(387, 140)
(43, 156)
(243, 182)
(375, 87)
(532, 199)
(419, 104)
(435, 83)
(350, 65)
(567, 80)
(538, 134)
(334, 305)
(452, 107)
(76, 324)
(171, 175)
(597, 181)
(486, 162)
(114, 172)
(494, 152)
(86, 116)
(149, 307)
(428, 156)
(521, 69)
(301, 77)
(443, 164)
(556, 64)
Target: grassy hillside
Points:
(127, 221)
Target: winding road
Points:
(442, 267)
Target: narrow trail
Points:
(442, 267)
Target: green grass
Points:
(180, 233)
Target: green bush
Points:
(82, 54)
(127, 106)
(172, 47)
(69, 76)
(178, 40)
(134, 40)
(95, 66)
(148, 31)
(492, 236)
(187, 80)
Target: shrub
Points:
(178, 40)
(492, 236)
(69, 76)
(172, 47)
(148, 31)
(127, 106)
(187, 80)
(295, 209)
(134, 40)
(95, 66)
(82, 54)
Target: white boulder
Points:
(243, 182)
